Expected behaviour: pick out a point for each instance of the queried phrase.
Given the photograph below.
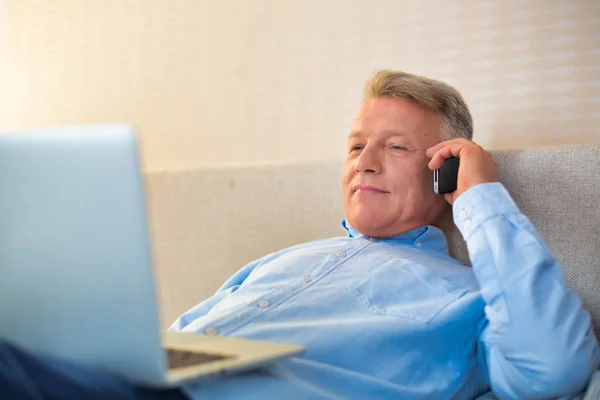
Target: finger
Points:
(432, 150)
(446, 152)
(439, 157)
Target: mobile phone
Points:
(445, 179)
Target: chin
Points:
(368, 226)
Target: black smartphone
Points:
(446, 178)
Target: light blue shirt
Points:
(398, 318)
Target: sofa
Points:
(207, 223)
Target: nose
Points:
(369, 161)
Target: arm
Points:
(538, 342)
(230, 286)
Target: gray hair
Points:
(430, 94)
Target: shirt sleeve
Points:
(230, 286)
(537, 342)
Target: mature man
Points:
(385, 312)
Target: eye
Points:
(396, 147)
(356, 147)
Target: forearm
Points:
(539, 341)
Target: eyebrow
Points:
(387, 134)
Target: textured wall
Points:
(237, 81)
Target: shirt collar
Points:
(427, 237)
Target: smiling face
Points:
(387, 185)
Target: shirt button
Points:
(419, 245)
(462, 214)
(211, 330)
(467, 224)
(264, 304)
(340, 254)
(306, 278)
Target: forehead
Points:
(382, 115)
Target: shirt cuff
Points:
(480, 203)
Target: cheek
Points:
(426, 187)
(347, 175)
(426, 179)
(419, 188)
(428, 198)
(412, 180)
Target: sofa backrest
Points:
(208, 223)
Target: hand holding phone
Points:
(477, 166)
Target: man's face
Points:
(387, 185)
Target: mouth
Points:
(368, 189)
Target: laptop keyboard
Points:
(183, 358)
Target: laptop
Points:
(76, 273)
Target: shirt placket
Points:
(310, 277)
